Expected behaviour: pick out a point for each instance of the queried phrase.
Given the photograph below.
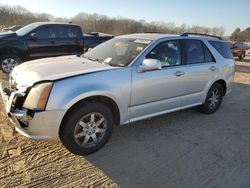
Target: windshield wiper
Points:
(116, 65)
(93, 59)
(103, 62)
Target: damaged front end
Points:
(13, 102)
(25, 107)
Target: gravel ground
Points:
(181, 149)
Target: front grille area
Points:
(19, 98)
(18, 102)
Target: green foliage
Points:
(239, 35)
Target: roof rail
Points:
(200, 34)
(154, 32)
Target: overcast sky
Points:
(211, 13)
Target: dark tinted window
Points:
(46, 33)
(222, 48)
(208, 55)
(194, 51)
(61, 32)
(68, 32)
(168, 53)
(239, 45)
(73, 32)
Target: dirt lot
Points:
(181, 149)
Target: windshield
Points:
(117, 51)
(26, 29)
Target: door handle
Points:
(212, 68)
(179, 73)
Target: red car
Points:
(238, 49)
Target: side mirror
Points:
(149, 64)
(33, 36)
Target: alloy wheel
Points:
(214, 99)
(90, 130)
(8, 64)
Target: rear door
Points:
(200, 68)
(69, 40)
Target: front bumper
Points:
(42, 125)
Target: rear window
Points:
(222, 48)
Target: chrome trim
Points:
(19, 113)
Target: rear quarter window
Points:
(222, 48)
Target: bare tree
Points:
(16, 15)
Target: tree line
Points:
(17, 15)
(239, 35)
(119, 25)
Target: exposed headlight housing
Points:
(38, 96)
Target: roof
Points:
(149, 36)
(52, 23)
(156, 36)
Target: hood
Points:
(30, 72)
(8, 36)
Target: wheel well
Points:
(5, 51)
(9, 51)
(105, 100)
(223, 84)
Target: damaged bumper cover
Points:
(32, 124)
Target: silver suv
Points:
(126, 79)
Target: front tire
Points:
(8, 62)
(86, 128)
(213, 99)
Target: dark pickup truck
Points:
(44, 39)
(94, 38)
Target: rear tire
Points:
(242, 56)
(8, 62)
(86, 128)
(213, 99)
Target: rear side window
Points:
(73, 32)
(196, 52)
(68, 32)
(222, 48)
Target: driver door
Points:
(161, 90)
(44, 44)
